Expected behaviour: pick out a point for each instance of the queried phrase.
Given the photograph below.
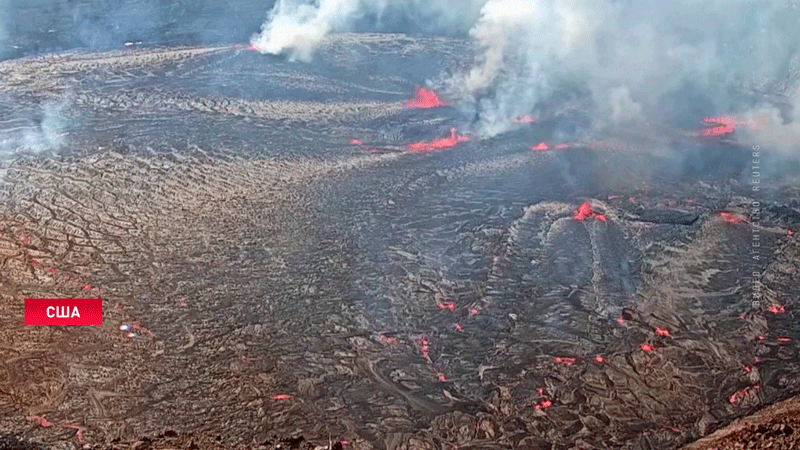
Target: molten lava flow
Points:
(424, 98)
(424, 147)
(585, 210)
(565, 361)
(731, 218)
(525, 119)
(776, 309)
(356, 142)
(599, 359)
(447, 305)
(252, 48)
(647, 347)
(725, 126)
(281, 397)
(540, 147)
(662, 332)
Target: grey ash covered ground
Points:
(264, 279)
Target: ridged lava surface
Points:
(279, 279)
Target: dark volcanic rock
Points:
(667, 216)
(262, 275)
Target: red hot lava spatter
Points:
(424, 98)
(425, 147)
(585, 210)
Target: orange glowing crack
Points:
(647, 347)
(662, 332)
(565, 361)
(446, 305)
(356, 142)
(599, 359)
(42, 421)
(79, 430)
(424, 98)
(425, 147)
(281, 397)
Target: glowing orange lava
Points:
(599, 359)
(252, 48)
(565, 361)
(731, 218)
(741, 394)
(662, 332)
(540, 147)
(525, 119)
(424, 98)
(725, 125)
(584, 211)
(356, 142)
(425, 147)
(281, 397)
(647, 347)
(776, 309)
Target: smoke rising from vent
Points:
(46, 133)
(635, 61)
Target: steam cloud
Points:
(638, 61)
(49, 134)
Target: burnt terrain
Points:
(268, 281)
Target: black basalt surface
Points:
(263, 276)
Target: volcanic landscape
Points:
(328, 253)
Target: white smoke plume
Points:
(296, 27)
(637, 60)
(48, 135)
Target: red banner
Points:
(63, 311)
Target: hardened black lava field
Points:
(280, 264)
